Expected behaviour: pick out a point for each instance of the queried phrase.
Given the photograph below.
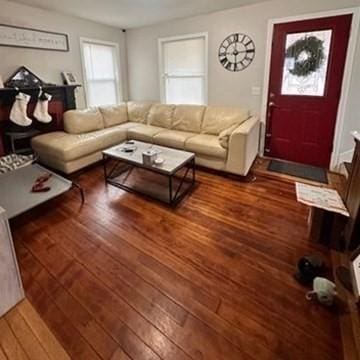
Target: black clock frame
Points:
(232, 39)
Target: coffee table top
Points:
(15, 189)
(173, 159)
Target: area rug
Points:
(299, 170)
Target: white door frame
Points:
(349, 64)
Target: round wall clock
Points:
(236, 52)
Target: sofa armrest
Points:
(224, 136)
(243, 147)
(83, 121)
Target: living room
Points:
(179, 179)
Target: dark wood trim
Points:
(352, 201)
(349, 315)
(36, 88)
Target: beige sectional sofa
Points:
(222, 138)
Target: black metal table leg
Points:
(104, 166)
(170, 190)
(81, 192)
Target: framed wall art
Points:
(69, 78)
(15, 36)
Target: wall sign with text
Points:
(32, 38)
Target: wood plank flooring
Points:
(127, 278)
(24, 335)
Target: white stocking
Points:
(18, 113)
(41, 112)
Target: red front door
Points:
(307, 65)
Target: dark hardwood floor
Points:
(127, 278)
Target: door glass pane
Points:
(185, 90)
(306, 63)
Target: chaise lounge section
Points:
(222, 138)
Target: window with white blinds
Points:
(100, 62)
(183, 69)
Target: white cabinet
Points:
(11, 290)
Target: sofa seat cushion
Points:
(173, 138)
(83, 121)
(188, 118)
(67, 147)
(206, 145)
(138, 111)
(43, 144)
(143, 132)
(114, 114)
(128, 125)
(217, 119)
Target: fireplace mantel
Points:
(63, 99)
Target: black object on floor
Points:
(308, 268)
(299, 170)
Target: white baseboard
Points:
(342, 170)
(346, 156)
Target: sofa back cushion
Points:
(161, 115)
(138, 111)
(83, 121)
(188, 118)
(114, 114)
(217, 119)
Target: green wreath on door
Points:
(311, 46)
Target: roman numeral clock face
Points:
(236, 52)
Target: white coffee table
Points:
(178, 169)
(15, 189)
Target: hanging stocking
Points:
(41, 112)
(18, 113)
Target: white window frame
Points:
(162, 76)
(119, 90)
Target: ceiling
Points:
(135, 13)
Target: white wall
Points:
(49, 64)
(352, 116)
(228, 88)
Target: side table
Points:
(14, 136)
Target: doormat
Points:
(299, 170)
